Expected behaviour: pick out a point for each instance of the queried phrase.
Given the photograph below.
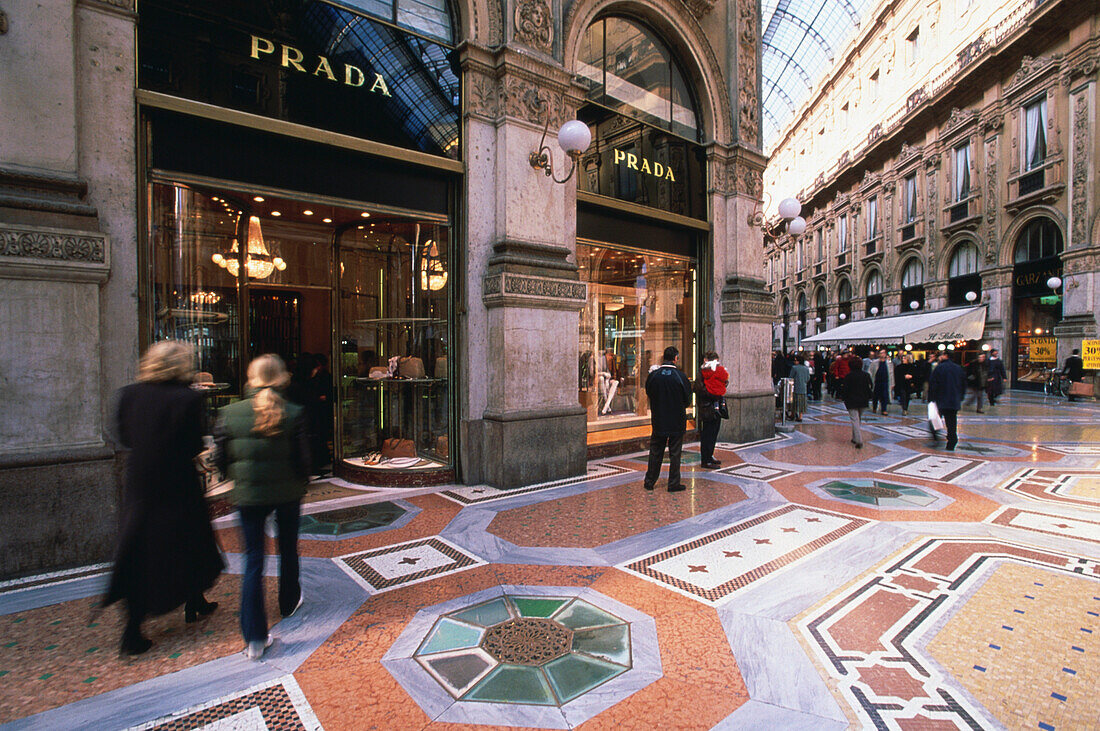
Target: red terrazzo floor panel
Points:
(831, 446)
(603, 516)
(863, 632)
(64, 652)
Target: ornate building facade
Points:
(949, 158)
(356, 180)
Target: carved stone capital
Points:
(36, 252)
(503, 83)
(746, 299)
(533, 24)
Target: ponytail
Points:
(267, 406)
(267, 373)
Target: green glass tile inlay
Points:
(90, 650)
(450, 635)
(349, 520)
(513, 684)
(579, 615)
(486, 614)
(55, 622)
(610, 643)
(47, 676)
(459, 671)
(51, 647)
(3, 673)
(175, 655)
(17, 620)
(574, 675)
(90, 680)
(11, 644)
(93, 624)
(536, 607)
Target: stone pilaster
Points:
(520, 417)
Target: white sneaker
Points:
(255, 648)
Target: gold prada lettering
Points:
(380, 85)
(655, 169)
(324, 68)
(292, 58)
(353, 76)
(261, 45)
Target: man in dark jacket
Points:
(669, 392)
(947, 389)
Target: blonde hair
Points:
(168, 360)
(266, 374)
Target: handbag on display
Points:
(378, 373)
(1080, 388)
(410, 367)
(441, 367)
(442, 447)
(398, 448)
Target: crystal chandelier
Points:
(258, 262)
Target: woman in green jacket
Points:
(263, 447)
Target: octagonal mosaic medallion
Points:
(536, 650)
(879, 493)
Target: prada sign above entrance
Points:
(307, 62)
(633, 161)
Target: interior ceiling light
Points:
(276, 213)
(307, 212)
(433, 277)
(327, 220)
(364, 214)
(259, 263)
(258, 198)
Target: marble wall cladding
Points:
(480, 235)
(49, 365)
(107, 152)
(527, 347)
(530, 206)
(745, 350)
(38, 47)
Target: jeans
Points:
(708, 435)
(253, 617)
(657, 444)
(855, 415)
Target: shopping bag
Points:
(1078, 388)
(934, 417)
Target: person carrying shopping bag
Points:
(263, 446)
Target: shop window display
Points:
(384, 278)
(639, 303)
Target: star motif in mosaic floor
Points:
(735, 557)
(934, 467)
(406, 563)
(274, 706)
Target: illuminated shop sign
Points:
(304, 61)
(635, 162)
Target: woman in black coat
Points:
(166, 554)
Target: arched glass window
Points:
(874, 284)
(431, 18)
(844, 291)
(1040, 239)
(632, 71)
(964, 261)
(802, 303)
(819, 301)
(913, 274)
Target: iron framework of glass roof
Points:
(800, 41)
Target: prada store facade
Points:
(262, 238)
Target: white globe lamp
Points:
(971, 296)
(574, 137)
(1054, 282)
(874, 311)
(842, 317)
(797, 226)
(914, 305)
(789, 208)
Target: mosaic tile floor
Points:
(805, 584)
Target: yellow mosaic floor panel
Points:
(1085, 487)
(1027, 646)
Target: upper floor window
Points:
(428, 17)
(632, 71)
(1035, 120)
(909, 203)
(842, 233)
(1040, 239)
(962, 172)
(798, 252)
(819, 243)
(964, 261)
(912, 45)
(844, 291)
(913, 274)
(872, 217)
(874, 284)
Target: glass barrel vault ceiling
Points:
(800, 40)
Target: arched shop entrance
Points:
(1036, 308)
(641, 222)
